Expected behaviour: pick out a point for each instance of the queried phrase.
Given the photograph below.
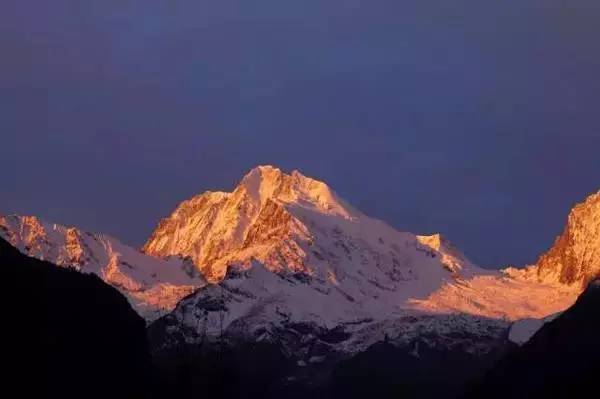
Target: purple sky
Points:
(479, 119)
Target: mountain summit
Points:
(293, 223)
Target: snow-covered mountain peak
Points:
(265, 183)
(293, 223)
(452, 258)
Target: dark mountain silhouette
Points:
(70, 334)
(252, 370)
(385, 370)
(562, 360)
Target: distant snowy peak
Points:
(452, 258)
(41, 240)
(294, 223)
(152, 285)
(575, 257)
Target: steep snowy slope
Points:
(152, 285)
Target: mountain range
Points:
(283, 260)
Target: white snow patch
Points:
(521, 331)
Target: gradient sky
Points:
(478, 119)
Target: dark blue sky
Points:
(476, 118)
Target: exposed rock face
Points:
(575, 257)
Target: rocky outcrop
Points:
(575, 257)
